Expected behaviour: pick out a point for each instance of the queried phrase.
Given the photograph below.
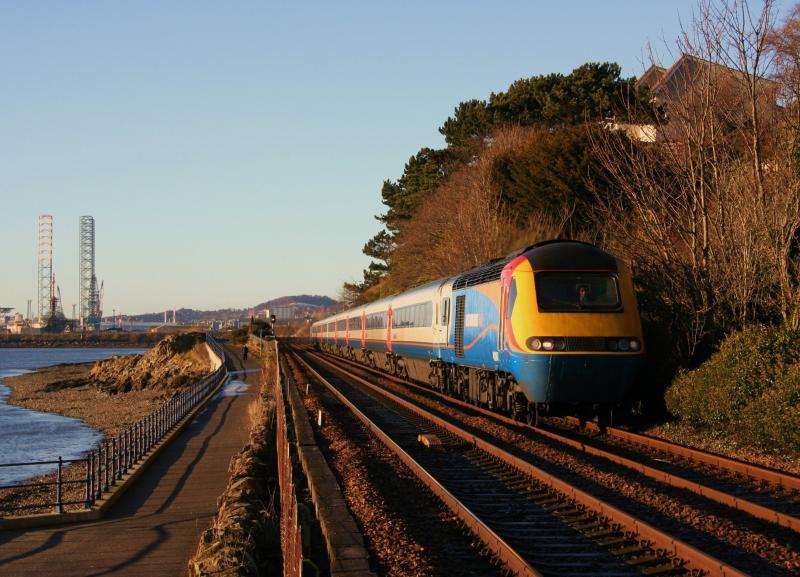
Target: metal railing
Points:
(105, 465)
(291, 534)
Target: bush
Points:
(773, 420)
(750, 388)
(182, 342)
(239, 336)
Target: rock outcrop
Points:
(176, 361)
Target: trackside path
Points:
(154, 528)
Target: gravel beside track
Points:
(408, 532)
(751, 545)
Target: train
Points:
(552, 327)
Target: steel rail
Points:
(693, 556)
(738, 503)
(757, 472)
(492, 540)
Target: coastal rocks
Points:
(176, 361)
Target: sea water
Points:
(27, 435)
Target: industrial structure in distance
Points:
(50, 315)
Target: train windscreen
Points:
(576, 291)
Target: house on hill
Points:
(685, 91)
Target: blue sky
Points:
(233, 152)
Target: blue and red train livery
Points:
(555, 323)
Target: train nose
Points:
(578, 378)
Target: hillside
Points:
(318, 300)
(192, 315)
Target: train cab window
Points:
(577, 292)
(512, 296)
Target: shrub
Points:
(750, 388)
(773, 420)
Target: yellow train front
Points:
(571, 330)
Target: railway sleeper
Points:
(572, 515)
(548, 500)
(584, 527)
(519, 484)
(648, 558)
(607, 539)
(608, 534)
(629, 550)
(663, 570)
(558, 509)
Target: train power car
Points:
(555, 324)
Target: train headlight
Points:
(547, 344)
(535, 344)
(634, 344)
(624, 344)
(559, 344)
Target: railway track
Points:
(744, 515)
(535, 522)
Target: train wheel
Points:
(605, 418)
(402, 371)
(520, 407)
(585, 414)
(532, 415)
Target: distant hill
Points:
(318, 300)
(192, 315)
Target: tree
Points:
(785, 46)
(549, 174)
(467, 221)
(465, 132)
(711, 210)
(423, 172)
(593, 91)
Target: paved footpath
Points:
(154, 528)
